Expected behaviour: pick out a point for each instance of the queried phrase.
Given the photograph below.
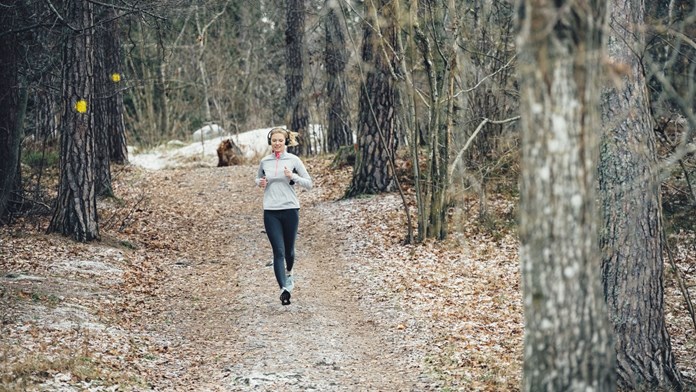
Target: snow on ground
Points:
(176, 153)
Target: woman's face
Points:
(277, 142)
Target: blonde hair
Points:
(278, 130)
(290, 136)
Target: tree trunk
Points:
(408, 96)
(207, 115)
(567, 342)
(378, 94)
(102, 88)
(296, 103)
(630, 239)
(440, 74)
(46, 116)
(75, 212)
(9, 113)
(159, 102)
(339, 132)
(118, 148)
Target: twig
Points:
(59, 16)
(34, 202)
(123, 222)
(682, 286)
(130, 8)
(486, 77)
(688, 182)
(471, 139)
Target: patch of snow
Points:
(254, 144)
(208, 132)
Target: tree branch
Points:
(471, 139)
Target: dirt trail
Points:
(220, 323)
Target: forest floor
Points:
(178, 296)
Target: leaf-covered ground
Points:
(178, 295)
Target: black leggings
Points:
(281, 229)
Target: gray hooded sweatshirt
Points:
(279, 193)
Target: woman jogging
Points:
(277, 175)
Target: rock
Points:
(210, 131)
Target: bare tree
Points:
(101, 112)
(147, 111)
(108, 103)
(113, 64)
(297, 117)
(440, 64)
(339, 131)
(567, 342)
(202, 28)
(488, 94)
(239, 49)
(631, 235)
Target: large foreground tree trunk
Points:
(378, 94)
(631, 234)
(567, 342)
(75, 212)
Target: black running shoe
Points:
(285, 297)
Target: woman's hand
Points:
(288, 173)
(263, 182)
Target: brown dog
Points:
(228, 153)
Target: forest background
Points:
(436, 101)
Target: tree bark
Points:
(158, 104)
(296, 103)
(378, 94)
(339, 132)
(118, 148)
(567, 342)
(632, 268)
(102, 88)
(440, 72)
(10, 126)
(75, 211)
